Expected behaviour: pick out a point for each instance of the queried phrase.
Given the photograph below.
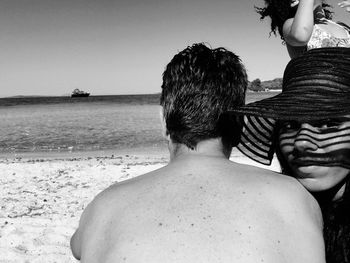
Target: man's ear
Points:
(165, 132)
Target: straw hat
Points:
(316, 85)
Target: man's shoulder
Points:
(282, 188)
(261, 175)
(264, 174)
(117, 193)
(105, 206)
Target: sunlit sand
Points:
(43, 198)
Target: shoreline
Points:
(84, 154)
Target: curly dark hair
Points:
(199, 85)
(279, 11)
(337, 227)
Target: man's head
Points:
(199, 85)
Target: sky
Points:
(112, 47)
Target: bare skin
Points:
(300, 142)
(345, 5)
(297, 31)
(202, 207)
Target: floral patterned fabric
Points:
(321, 38)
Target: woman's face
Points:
(317, 152)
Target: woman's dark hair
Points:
(337, 227)
(279, 11)
(335, 215)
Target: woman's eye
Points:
(290, 125)
(330, 124)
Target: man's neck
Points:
(207, 148)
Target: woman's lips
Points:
(312, 161)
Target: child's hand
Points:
(294, 3)
(345, 4)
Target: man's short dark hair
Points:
(199, 85)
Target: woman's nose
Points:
(306, 138)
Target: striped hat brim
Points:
(316, 86)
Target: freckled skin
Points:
(224, 212)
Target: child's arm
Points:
(297, 31)
(345, 4)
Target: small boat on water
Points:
(79, 93)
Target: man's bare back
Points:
(203, 209)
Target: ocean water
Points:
(97, 123)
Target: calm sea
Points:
(96, 123)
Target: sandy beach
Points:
(42, 199)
